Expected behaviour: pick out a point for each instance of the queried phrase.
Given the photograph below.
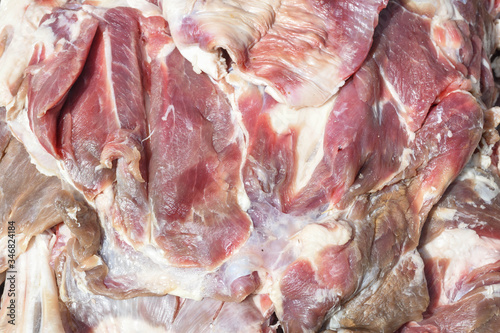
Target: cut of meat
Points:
(194, 167)
(461, 250)
(105, 111)
(19, 22)
(90, 120)
(376, 135)
(27, 199)
(302, 50)
(265, 165)
(107, 99)
(156, 314)
(52, 74)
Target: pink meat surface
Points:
(259, 166)
(461, 251)
(302, 50)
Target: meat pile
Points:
(249, 166)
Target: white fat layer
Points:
(446, 214)
(405, 159)
(310, 124)
(492, 291)
(146, 8)
(486, 64)
(44, 162)
(447, 11)
(127, 324)
(72, 213)
(485, 187)
(485, 161)
(20, 18)
(200, 58)
(314, 238)
(400, 107)
(36, 298)
(109, 72)
(142, 260)
(466, 251)
(166, 50)
(74, 27)
(209, 62)
(232, 21)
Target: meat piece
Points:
(302, 51)
(194, 167)
(87, 122)
(387, 156)
(52, 74)
(58, 49)
(34, 293)
(460, 246)
(106, 98)
(20, 20)
(26, 197)
(220, 189)
(98, 313)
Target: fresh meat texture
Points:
(461, 250)
(87, 311)
(194, 167)
(51, 75)
(26, 197)
(301, 50)
(19, 21)
(259, 165)
(387, 158)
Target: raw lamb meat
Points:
(26, 196)
(460, 246)
(301, 50)
(256, 166)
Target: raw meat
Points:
(194, 166)
(156, 314)
(228, 167)
(370, 195)
(36, 307)
(26, 196)
(301, 50)
(460, 246)
(19, 21)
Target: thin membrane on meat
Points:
(301, 50)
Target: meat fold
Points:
(221, 187)
(27, 197)
(86, 311)
(97, 102)
(301, 50)
(196, 156)
(386, 158)
(460, 246)
(19, 22)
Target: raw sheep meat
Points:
(250, 166)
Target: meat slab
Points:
(252, 166)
